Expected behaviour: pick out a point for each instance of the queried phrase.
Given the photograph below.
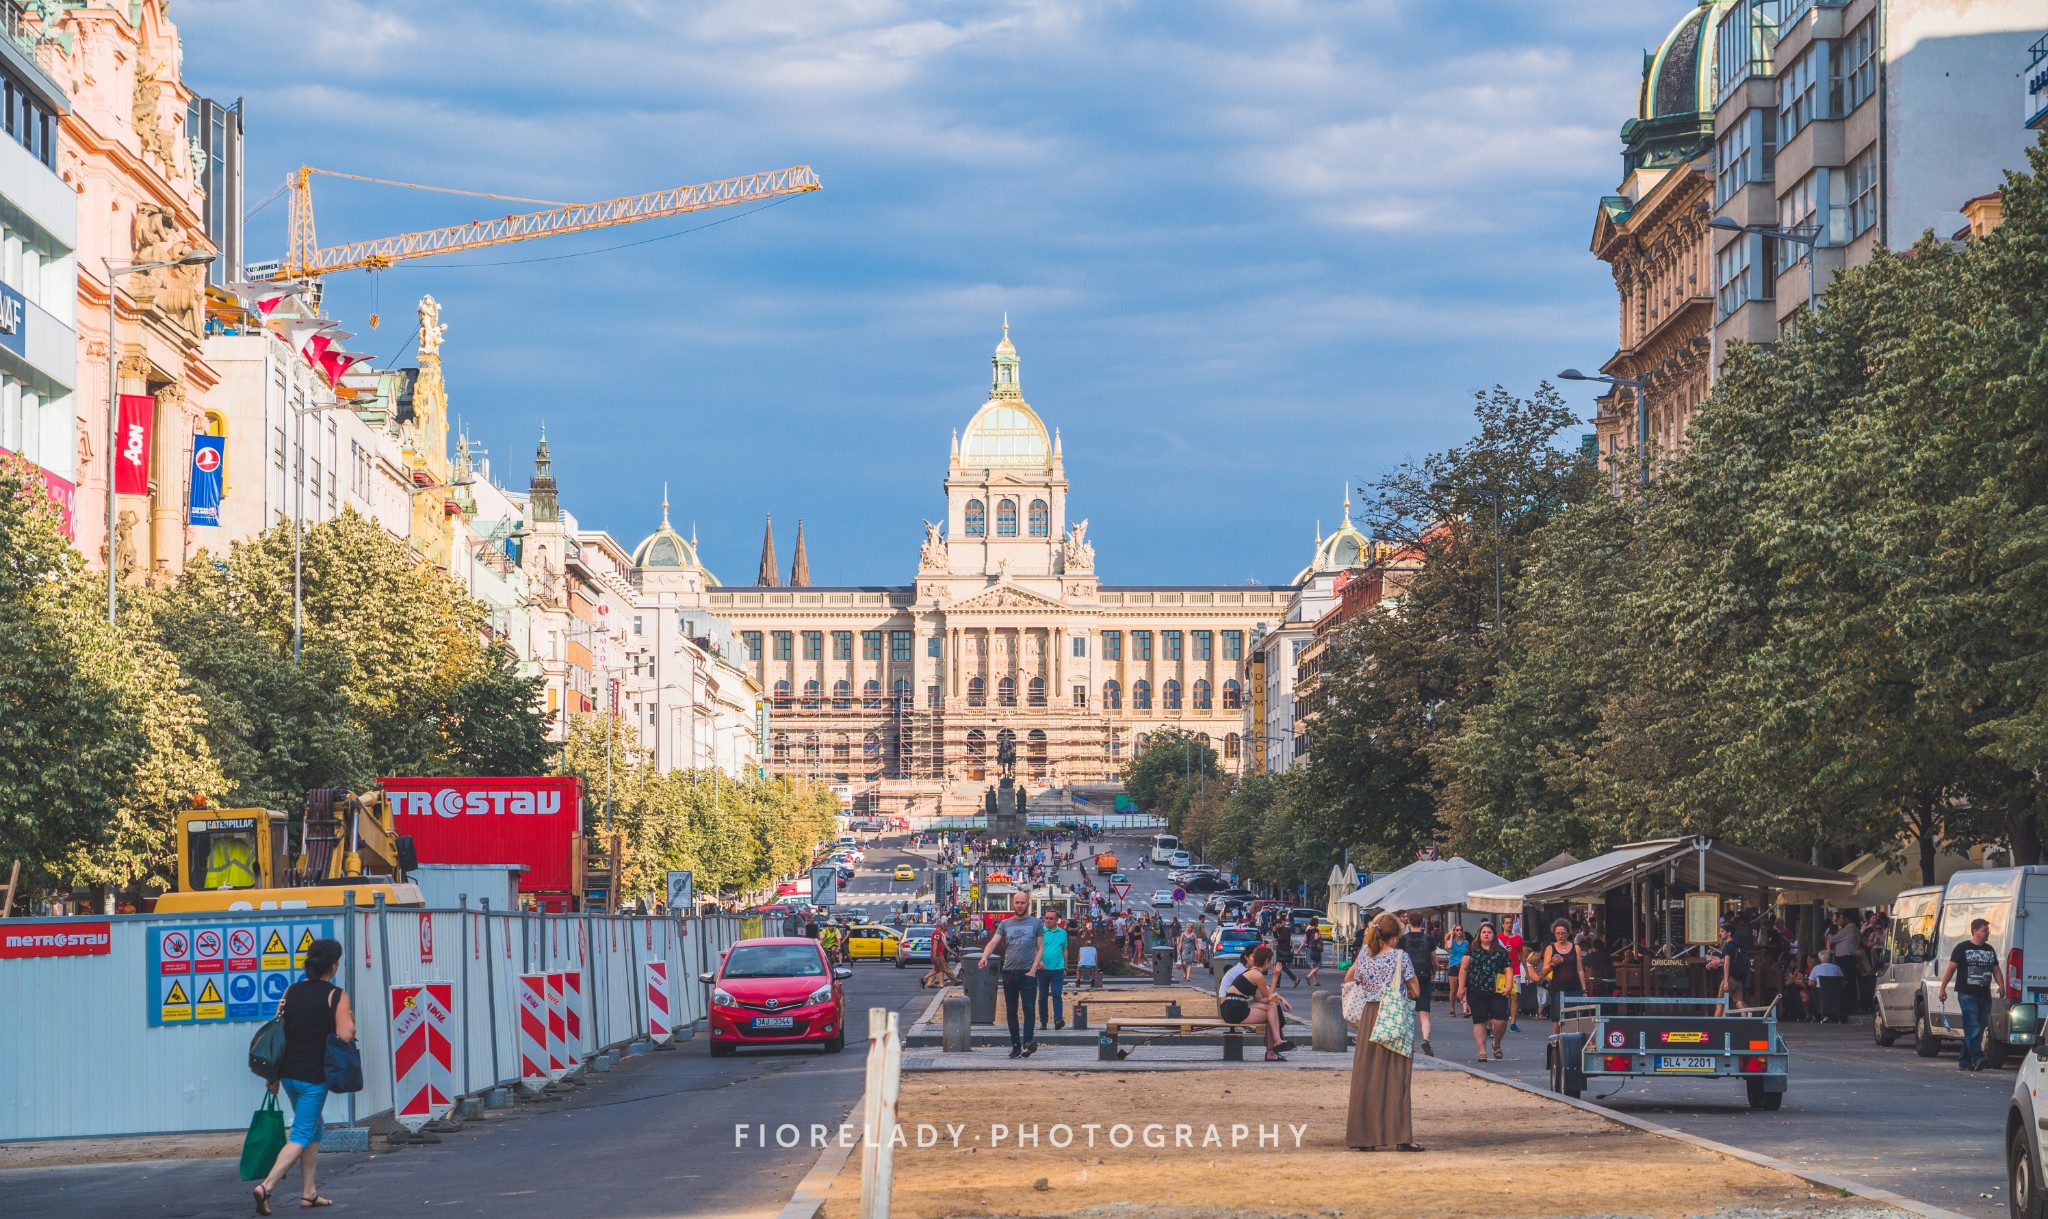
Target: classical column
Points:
(167, 481)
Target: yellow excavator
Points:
(240, 858)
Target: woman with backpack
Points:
(312, 1010)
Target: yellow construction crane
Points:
(307, 260)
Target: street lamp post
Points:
(195, 259)
(1812, 237)
(1641, 386)
(1442, 487)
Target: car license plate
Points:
(1684, 1062)
(774, 1022)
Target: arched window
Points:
(782, 693)
(1233, 697)
(1112, 696)
(977, 519)
(1138, 746)
(1006, 692)
(1169, 695)
(1141, 696)
(1201, 694)
(871, 747)
(977, 745)
(842, 694)
(1202, 739)
(871, 694)
(1034, 695)
(903, 692)
(781, 747)
(977, 692)
(1034, 748)
(1006, 518)
(811, 747)
(842, 748)
(1041, 519)
(1230, 746)
(811, 690)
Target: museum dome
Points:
(1005, 433)
(1347, 547)
(667, 550)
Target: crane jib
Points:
(306, 260)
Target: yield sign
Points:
(1122, 889)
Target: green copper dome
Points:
(1674, 120)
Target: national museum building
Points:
(905, 692)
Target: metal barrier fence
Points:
(85, 1055)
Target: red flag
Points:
(315, 350)
(131, 448)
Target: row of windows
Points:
(842, 694)
(26, 120)
(875, 745)
(1200, 645)
(1828, 81)
(1170, 694)
(1200, 696)
(1006, 519)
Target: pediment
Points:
(1008, 597)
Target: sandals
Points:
(1272, 1056)
(309, 1201)
(1499, 1053)
(262, 1196)
(1408, 1147)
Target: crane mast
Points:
(307, 260)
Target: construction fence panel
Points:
(101, 1024)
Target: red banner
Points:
(131, 444)
(56, 940)
(528, 820)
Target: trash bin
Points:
(980, 985)
(1162, 965)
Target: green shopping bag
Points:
(265, 1139)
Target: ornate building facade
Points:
(1653, 234)
(905, 692)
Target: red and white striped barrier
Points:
(422, 1058)
(558, 1053)
(658, 1026)
(533, 1032)
(572, 1016)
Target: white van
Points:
(1926, 926)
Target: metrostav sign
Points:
(532, 821)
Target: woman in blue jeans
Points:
(311, 1009)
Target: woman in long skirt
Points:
(1381, 1114)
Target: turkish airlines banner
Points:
(131, 444)
(529, 820)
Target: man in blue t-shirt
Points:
(1052, 972)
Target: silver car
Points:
(916, 945)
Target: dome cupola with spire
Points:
(665, 550)
(1347, 547)
(1005, 433)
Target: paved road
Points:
(656, 1137)
(1884, 1116)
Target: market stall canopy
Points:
(1425, 885)
(1563, 859)
(1730, 869)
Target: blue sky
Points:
(1249, 250)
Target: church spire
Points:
(542, 489)
(800, 566)
(1005, 384)
(664, 503)
(768, 577)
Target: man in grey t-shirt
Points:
(1018, 938)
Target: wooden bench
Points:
(1108, 1049)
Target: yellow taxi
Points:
(868, 942)
(905, 872)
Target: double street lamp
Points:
(1641, 386)
(1811, 236)
(1442, 488)
(195, 259)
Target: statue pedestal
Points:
(1008, 819)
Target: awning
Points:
(1424, 885)
(1729, 869)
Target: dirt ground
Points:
(1491, 1151)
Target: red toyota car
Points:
(777, 992)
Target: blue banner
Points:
(209, 465)
(13, 321)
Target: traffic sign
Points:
(211, 1006)
(206, 951)
(1179, 894)
(682, 890)
(1122, 889)
(276, 953)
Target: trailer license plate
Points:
(774, 1022)
(1684, 1062)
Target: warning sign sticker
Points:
(174, 1003)
(222, 972)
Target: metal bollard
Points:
(956, 1031)
(1173, 1011)
(1162, 966)
(1081, 1015)
(1105, 1048)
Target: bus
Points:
(1163, 847)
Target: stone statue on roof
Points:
(1075, 549)
(933, 556)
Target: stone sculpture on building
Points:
(1075, 550)
(933, 556)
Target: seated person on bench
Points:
(1248, 997)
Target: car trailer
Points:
(1632, 1037)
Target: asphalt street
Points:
(1916, 1126)
(655, 1137)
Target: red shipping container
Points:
(528, 820)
